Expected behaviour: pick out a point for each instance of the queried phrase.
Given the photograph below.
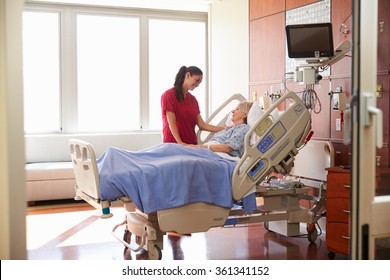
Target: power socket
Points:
(338, 124)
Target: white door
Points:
(370, 212)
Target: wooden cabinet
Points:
(267, 49)
(337, 211)
(263, 8)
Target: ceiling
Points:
(183, 5)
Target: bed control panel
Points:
(255, 171)
(273, 136)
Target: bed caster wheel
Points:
(331, 255)
(155, 253)
(312, 233)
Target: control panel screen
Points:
(276, 132)
(256, 169)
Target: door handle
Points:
(347, 127)
(371, 111)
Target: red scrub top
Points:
(186, 112)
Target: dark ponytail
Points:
(179, 80)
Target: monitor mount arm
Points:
(308, 73)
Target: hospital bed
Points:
(271, 146)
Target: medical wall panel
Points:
(336, 109)
(292, 4)
(272, 90)
(267, 48)
(262, 8)
(295, 87)
(320, 121)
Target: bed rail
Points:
(219, 116)
(277, 144)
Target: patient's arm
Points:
(219, 148)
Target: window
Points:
(41, 71)
(108, 75)
(101, 70)
(172, 45)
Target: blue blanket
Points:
(166, 176)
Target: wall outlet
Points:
(338, 124)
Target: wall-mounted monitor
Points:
(310, 41)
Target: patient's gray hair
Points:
(245, 106)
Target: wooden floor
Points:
(76, 232)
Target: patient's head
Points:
(240, 113)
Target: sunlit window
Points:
(92, 69)
(41, 71)
(173, 44)
(108, 80)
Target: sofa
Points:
(49, 170)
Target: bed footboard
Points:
(87, 175)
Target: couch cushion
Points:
(50, 190)
(49, 171)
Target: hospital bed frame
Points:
(274, 151)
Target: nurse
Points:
(180, 109)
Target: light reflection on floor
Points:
(83, 235)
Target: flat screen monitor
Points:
(310, 41)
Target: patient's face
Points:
(238, 114)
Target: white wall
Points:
(229, 50)
(12, 182)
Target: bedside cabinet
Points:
(337, 211)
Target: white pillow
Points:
(229, 121)
(254, 114)
(275, 114)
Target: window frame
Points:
(68, 57)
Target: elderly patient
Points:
(231, 139)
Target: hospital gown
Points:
(234, 137)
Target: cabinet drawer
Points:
(337, 237)
(338, 185)
(337, 210)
